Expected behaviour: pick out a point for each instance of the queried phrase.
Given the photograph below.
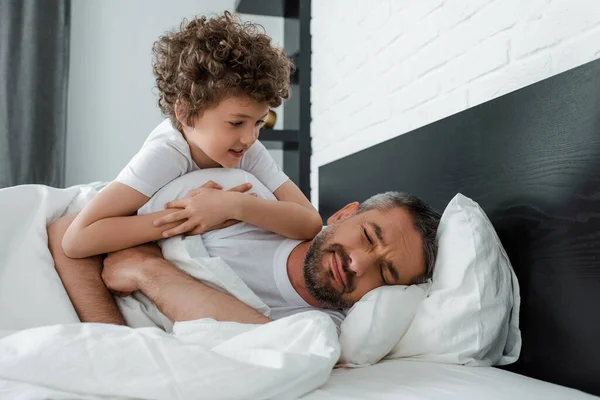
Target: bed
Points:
(531, 159)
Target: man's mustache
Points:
(345, 258)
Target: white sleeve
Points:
(156, 164)
(259, 163)
(337, 316)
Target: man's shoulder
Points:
(335, 314)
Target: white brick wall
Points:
(381, 68)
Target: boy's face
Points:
(223, 134)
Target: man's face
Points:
(361, 252)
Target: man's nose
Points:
(361, 262)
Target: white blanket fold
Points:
(199, 359)
(203, 359)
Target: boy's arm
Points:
(292, 215)
(205, 209)
(106, 224)
(179, 296)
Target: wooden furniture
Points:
(294, 139)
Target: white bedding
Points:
(199, 359)
(413, 380)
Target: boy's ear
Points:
(348, 210)
(179, 108)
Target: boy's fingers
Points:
(207, 185)
(244, 187)
(222, 225)
(179, 203)
(178, 230)
(211, 184)
(176, 216)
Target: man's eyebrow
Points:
(241, 115)
(377, 229)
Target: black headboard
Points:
(531, 159)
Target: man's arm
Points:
(81, 278)
(179, 296)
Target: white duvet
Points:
(199, 359)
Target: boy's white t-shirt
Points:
(165, 155)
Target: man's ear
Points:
(348, 210)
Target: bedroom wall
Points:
(111, 105)
(386, 67)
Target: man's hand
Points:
(122, 269)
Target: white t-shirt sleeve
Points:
(156, 164)
(259, 163)
(337, 316)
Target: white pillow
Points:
(375, 323)
(226, 177)
(471, 315)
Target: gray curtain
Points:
(34, 61)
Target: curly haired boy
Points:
(216, 80)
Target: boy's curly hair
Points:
(207, 60)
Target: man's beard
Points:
(316, 275)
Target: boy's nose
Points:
(249, 137)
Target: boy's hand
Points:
(202, 210)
